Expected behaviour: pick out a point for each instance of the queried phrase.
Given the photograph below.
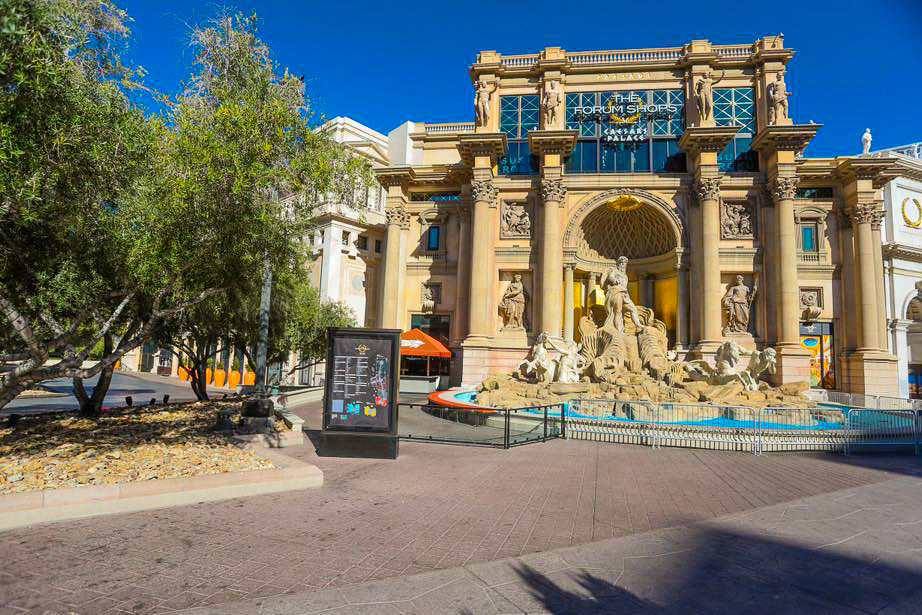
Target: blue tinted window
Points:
(518, 160)
(432, 241)
(809, 238)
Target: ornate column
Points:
(551, 146)
(398, 222)
(568, 306)
(783, 190)
(862, 216)
(681, 326)
(876, 222)
(462, 279)
(552, 194)
(483, 257)
(702, 144)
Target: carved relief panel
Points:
(515, 220)
(737, 219)
(811, 303)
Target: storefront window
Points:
(627, 132)
(436, 325)
(915, 381)
(817, 339)
(735, 107)
(518, 115)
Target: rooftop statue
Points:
(866, 142)
(482, 102)
(550, 103)
(777, 99)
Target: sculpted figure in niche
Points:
(777, 99)
(736, 221)
(482, 102)
(550, 102)
(617, 299)
(704, 95)
(737, 304)
(512, 304)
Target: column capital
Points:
(866, 213)
(707, 188)
(484, 190)
(783, 188)
(553, 190)
(398, 216)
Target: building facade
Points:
(902, 259)
(685, 161)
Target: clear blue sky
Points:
(858, 64)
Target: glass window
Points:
(432, 238)
(808, 237)
(736, 107)
(363, 242)
(436, 325)
(378, 246)
(518, 115)
(635, 132)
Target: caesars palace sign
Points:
(626, 116)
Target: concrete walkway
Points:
(853, 551)
(441, 507)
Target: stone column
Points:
(787, 291)
(901, 344)
(552, 193)
(862, 215)
(330, 264)
(398, 222)
(681, 333)
(480, 312)
(707, 190)
(463, 273)
(879, 278)
(568, 303)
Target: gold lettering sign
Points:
(624, 76)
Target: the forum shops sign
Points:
(626, 116)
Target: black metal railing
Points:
(492, 427)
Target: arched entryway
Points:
(647, 230)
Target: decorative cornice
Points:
(401, 176)
(783, 188)
(552, 141)
(707, 138)
(707, 188)
(878, 170)
(483, 190)
(785, 138)
(903, 252)
(399, 216)
(492, 144)
(553, 190)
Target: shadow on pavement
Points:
(720, 571)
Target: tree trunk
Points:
(92, 405)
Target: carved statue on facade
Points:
(515, 221)
(809, 303)
(550, 103)
(617, 298)
(704, 95)
(537, 366)
(728, 366)
(737, 303)
(777, 99)
(482, 102)
(512, 305)
(736, 220)
(866, 142)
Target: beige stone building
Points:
(685, 161)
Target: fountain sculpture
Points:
(623, 354)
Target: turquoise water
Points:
(470, 397)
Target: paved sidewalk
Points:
(436, 507)
(853, 551)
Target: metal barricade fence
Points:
(498, 427)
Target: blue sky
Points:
(858, 64)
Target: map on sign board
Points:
(360, 382)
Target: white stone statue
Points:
(617, 298)
(728, 367)
(537, 366)
(551, 102)
(568, 365)
(777, 99)
(482, 102)
(704, 95)
(512, 305)
(737, 303)
(866, 142)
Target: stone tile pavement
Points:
(435, 508)
(848, 552)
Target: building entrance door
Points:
(817, 339)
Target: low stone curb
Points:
(24, 509)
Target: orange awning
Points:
(416, 343)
